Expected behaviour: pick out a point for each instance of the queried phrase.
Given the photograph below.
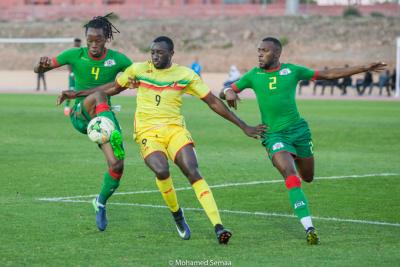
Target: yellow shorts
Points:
(168, 139)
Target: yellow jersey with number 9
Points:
(159, 95)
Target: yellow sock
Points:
(168, 192)
(206, 199)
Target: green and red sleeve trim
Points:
(235, 88)
(55, 62)
(314, 77)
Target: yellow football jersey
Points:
(159, 95)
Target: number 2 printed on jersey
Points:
(272, 83)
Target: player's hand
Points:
(67, 94)
(377, 66)
(133, 84)
(44, 63)
(255, 132)
(231, 98)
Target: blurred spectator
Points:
(384, 81)
(332, 84)
(345, 82)
(303, 83)
(196, 67)
(393, 80)
(41, 76)
(234, 75)
(362, 84)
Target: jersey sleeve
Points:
(196, 86)
(130, 72)
(66, 57)
(125, 62)
(243, 83)
(304, 73)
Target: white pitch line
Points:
(224, 185)
(257, 213)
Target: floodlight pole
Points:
(292, 7)
(398, 68)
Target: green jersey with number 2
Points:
(276, 91)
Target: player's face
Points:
(96, 41)
(161, 55)
(268, 55)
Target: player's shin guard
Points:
(110, 184)
(168, 193)
(103, 109)
(298, 200)
(206, 199)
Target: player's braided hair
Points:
(102, 22)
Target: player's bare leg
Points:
(187, 161)
(305, 167)
(285, 164)
(96, 105)
(158, 163)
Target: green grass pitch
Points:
(42, 156)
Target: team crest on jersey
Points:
(109, 63)
(277, 146)
(285, 71)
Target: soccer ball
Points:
(99, 129)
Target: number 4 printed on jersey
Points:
(95, 72)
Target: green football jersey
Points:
(92, 72)
(276, 91)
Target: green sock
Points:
(109, 186)
(299, 202)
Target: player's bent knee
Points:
(308, 179)
(117, 167)
(162, 174)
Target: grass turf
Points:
(43, 156)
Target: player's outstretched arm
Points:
(112, 88)
(219, 107)
(337, 73)
(44, 64)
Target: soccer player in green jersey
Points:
(93, 66)
(288, 138)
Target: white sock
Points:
(306, 222)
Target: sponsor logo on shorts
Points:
(284, 72)
(277, 146)
(299, 204)
(109, 63)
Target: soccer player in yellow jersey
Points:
(160, 128)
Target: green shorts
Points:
(80, 118)
(296, 140)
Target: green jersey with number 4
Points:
(91, 72)
(276, 91)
